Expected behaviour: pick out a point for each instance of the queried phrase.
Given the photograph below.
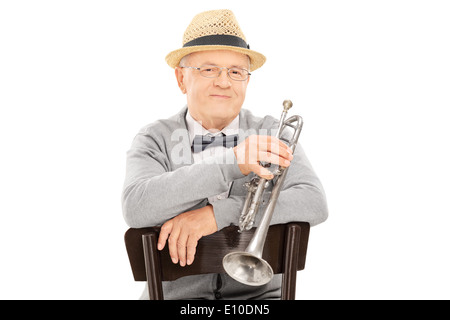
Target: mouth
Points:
(220, 96)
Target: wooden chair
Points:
(285, 250)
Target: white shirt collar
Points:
(195, 128)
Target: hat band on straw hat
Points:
(218, 39)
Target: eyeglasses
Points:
(234, 73)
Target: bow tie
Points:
(200, 143)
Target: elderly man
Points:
(187, 173)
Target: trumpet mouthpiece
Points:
(287, 104)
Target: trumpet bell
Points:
(247, 268)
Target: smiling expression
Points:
(214, 102)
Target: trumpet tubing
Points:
(248, 266)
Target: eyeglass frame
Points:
(221, 68)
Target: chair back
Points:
(211, 250)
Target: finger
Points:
(266, 141)
(273, 158)
(262, 172)
(284, 146)
(173, 240)
(280, 148)
(181, 248)
(283, 151)
(191, 248)
(164, 234)
(274, 145)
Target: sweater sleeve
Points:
(302, 198)
(153, 193)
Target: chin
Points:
(223, 113)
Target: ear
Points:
(180, 77)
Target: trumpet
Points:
(248, 267)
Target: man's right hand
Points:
(257, 148)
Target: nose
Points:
(223, 80)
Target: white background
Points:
(370, 78)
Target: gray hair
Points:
(183, 60)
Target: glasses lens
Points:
(209, 71)
(238, 74)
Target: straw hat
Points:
(215, 30)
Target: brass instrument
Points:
(248, 267)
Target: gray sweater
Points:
(163, 181)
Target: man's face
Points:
(214, 102)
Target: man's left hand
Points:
(184, 231)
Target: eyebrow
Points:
(215, 64)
